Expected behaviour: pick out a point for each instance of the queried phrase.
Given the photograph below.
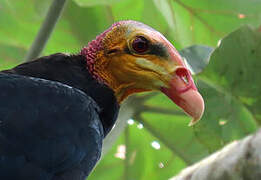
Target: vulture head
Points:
(132, 57)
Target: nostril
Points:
(185, 79)
(184, 75)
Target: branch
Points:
(239, 160)
(146, 96)
(46, 29)
(127, 160)
(154, 109)
(109, 14)
(157, 134)
(126, 112)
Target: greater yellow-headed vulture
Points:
(56, 110)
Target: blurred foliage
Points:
(230, 84)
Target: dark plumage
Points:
(51, 128)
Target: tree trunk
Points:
(240, 160)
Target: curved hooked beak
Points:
(182, 90)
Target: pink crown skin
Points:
(90, 51)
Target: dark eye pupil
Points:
(140, 44)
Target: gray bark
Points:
(46, 29)
(240, 160)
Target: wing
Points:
(47, 126)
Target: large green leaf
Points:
(166, 10)
(205, 22)
(122, 10)
(84, 23)
(18, 24)
(231, 87)
(10, 56)
(225, 119)
(235, 68)
(174, 132)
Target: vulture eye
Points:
(140, 45)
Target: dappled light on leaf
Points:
(121, 152)
(130, 121)
(155, 145)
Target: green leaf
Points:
(41, 7)
(231, 87)
(93, 24)
(10, 56)
(18, 24)
(122, 10)
(235, 68)
(225, 119)
(201, 22)
(162, 22)
(166, 10)
(174, 132)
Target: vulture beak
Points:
(181, 88)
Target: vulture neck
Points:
(97, 65)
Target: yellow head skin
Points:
(136, 58)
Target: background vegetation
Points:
(157, 143)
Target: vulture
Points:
(56, 110)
